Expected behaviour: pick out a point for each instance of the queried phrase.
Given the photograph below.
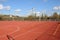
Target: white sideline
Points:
(26, 33)
(39, 32)
(56, 30)
(18, 28)
(15, 30)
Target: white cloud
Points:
(43, 11)
(4, 7)
(59, 7)
(7, 7)
(56, 8)
(37, 13)
(30, 13)
(17, 10)
(1, 6)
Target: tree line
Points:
(43, 17)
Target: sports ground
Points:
(29, 30)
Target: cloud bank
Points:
(56, 8)
(7, 7)
(17, 10)
(4, 7)
(1, 6)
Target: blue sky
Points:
(26, 5)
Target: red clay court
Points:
(29, 30)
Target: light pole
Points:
(17, 11)
(39, 16)
(33, 13)
(59, 13)
(8, 9)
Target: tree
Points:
(1, 18)
(45, 17)
(59, 16)
(42, 17)
(55, 16)
(30, 17)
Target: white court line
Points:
(56, 30)
(32, 30)
(18, 28)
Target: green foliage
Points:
(55, 16)
(31, 17)
(0, 18)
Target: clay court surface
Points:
(30, 30)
